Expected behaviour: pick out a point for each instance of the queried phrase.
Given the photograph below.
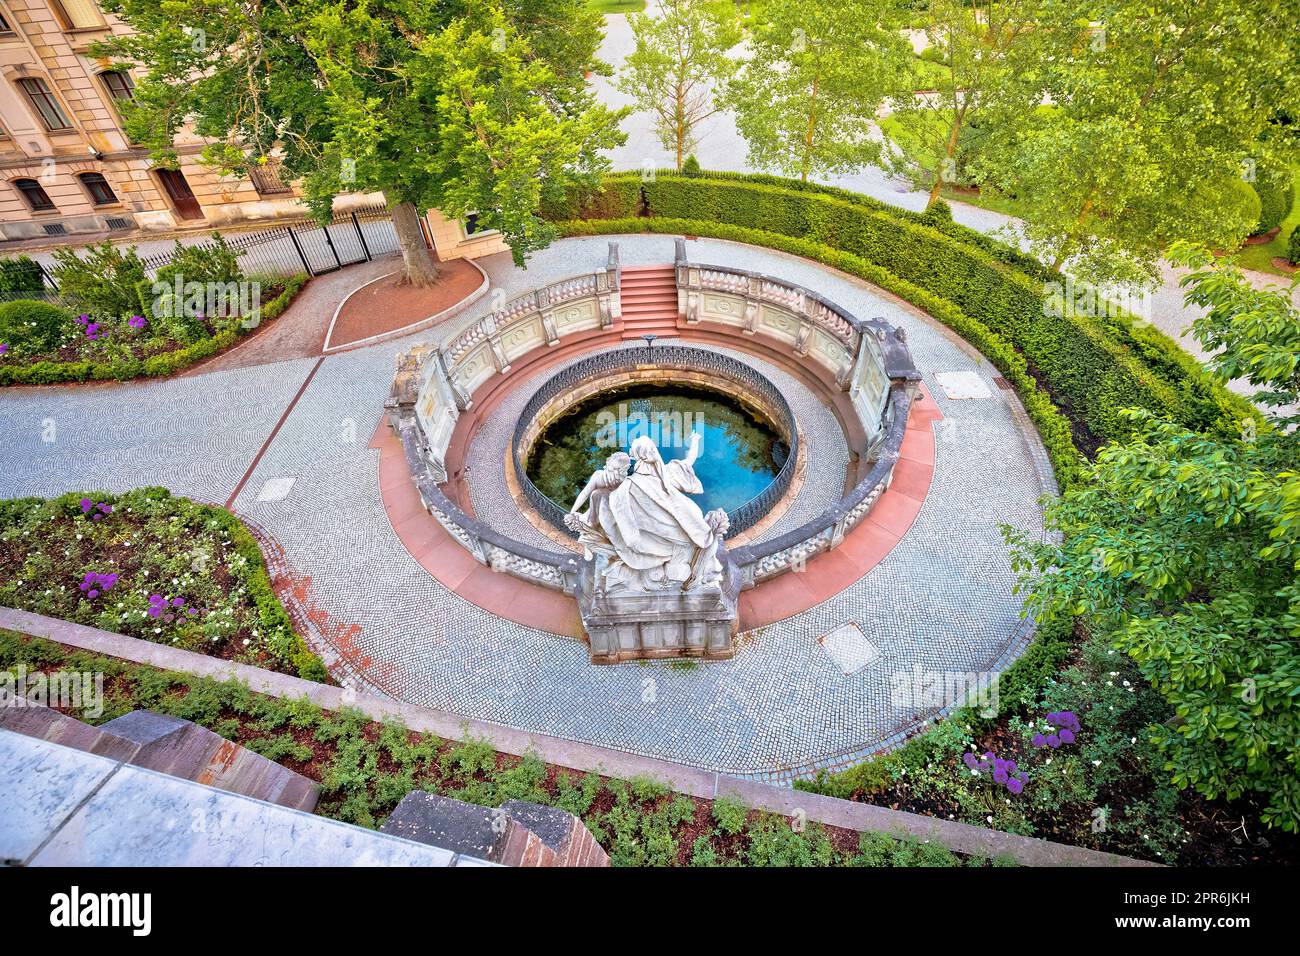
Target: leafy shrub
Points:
(691, 167)
(774, 842)
(1093, 367)
(20, 277)
(1293, 247)
(878, 849)
(1276, 191)
(730, 815)
(32, 327)
(150, 538)
(938, 214)
(102, 284)
(166, 363)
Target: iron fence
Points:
(287, 248)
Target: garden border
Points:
(958, 837)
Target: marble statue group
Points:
(641, 529)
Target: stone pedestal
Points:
(624, 625)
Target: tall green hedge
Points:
(1092, 367)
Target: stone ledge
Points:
(959, 837)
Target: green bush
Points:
(166, 363)
(1276, 191)
(1092, 367)
(20, 277)
(692, 166)
(32, 327)
(240, 601)
(1293, 247)
(102, 284)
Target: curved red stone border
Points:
(397, 333)
(532, 605)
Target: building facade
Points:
(67, 167)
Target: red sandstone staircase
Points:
(649, 297)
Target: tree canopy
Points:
(461, 105)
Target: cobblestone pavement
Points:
(940, 601)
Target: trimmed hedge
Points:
(168, 363)
(1092, 367)
(33, 326)
(1276, 192)
(1052, 426)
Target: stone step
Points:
(517, 834)
(182, 748)
(45, 723)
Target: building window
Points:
(36, 197)
(79, 14)
(5, 29)
(101, 193)
(44, 102)
(266, 180)
(120, 86)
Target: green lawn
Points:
(1260, 257)
(617, 6)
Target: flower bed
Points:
(113, 319)
(153, 566)
(86, 348)
(1074, 764)
(365, 768)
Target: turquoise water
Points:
(739, 456)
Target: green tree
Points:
(973, 42)
(1139, 127)
(806, 98)
(680, 58)
(1184, 549)
(466, 105)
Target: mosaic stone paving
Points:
(940, 601)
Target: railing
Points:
(683, 357)
(552, 569)
(790, 551)
(869, 359)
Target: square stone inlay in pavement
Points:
(849, 648)
(276, 489)
(962, 385)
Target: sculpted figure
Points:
(643, 531)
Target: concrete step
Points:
(182, 748)
(44, 723)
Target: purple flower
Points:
(85, 505)
(83, 319)
(1053, 741)
(1067, 737)
(4, 347)
(1039, 740)
(137, 322)
(969, 759)
(177, 602)
(1015, 785)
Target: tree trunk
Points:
(950, 154)
(419, 267)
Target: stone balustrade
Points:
(868, 359)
